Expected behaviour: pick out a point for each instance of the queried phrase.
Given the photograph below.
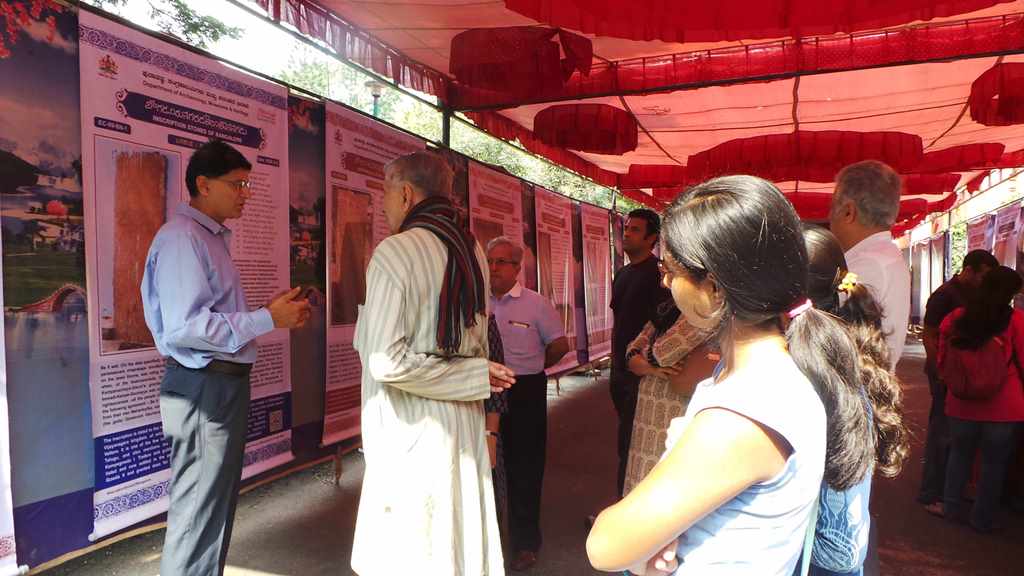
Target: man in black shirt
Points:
(636, 293)
(948, 297)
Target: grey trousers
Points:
(204, 415)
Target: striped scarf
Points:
(462, 292)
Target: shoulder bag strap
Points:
(812, 528)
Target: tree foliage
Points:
(17, 15)
(177, 18)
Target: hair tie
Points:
(807, 305)
(848, 282)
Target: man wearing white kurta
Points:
(865, 205)
(427, 504)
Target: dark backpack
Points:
(976, 374)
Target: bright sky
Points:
(262, 46)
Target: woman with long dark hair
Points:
(744, 466)
(989, 423)
(844, 521)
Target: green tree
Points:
(306, 72)
(957, 246)
(177, 18)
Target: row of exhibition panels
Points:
(991, 219)
(88, 460)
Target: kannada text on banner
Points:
(495, 206)
(597, 279)
(358, 149)
(146, 106)
(555, 263)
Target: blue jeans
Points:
(936, 447)
(996, 441)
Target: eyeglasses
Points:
(501, 262)
(238, 185)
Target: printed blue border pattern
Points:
(7, 545)
(268, 451)
(107, 41)
(127, 502)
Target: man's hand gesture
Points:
(288, 311)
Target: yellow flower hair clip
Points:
(849, 281)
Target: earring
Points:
(707, 321)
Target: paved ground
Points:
(302, 524)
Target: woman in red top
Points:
(989, 423)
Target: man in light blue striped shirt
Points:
(196, 309)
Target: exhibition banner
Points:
(358, 149)
(555, 263)
(938, 261)
(529, 265)
(46, 344)
(8, 556)
(495, 207)
(980, 233)
(618, 256)
(146, 106)
(597, 279)
(1007, 234)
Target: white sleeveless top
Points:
(760, 531)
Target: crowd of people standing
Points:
(752, 374)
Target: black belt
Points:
(219, 366)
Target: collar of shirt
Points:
(515, 292)
(870, 244)
(205, 221)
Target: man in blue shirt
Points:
(533, 339)
(196, 309)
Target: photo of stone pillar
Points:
(350, 253)
(140, 205)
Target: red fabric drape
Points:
(597, 128)
(913, 212)
(667, 195)
(804, 155)
(942, 205)
(506, 129)
(782, 58)
(974, 184)
(1013, 159)
(997, 96)
(659, 198)
(356, 45)
(644, 198)
(736, 19)
(519, 60)
(961, 158)
(904, 226)
(914, 184)
(810, 206)
(654, 176)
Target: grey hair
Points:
(517, 249)
(874, 188)
(427, 172)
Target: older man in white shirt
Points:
(864, 208)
